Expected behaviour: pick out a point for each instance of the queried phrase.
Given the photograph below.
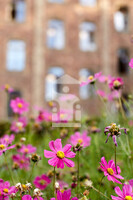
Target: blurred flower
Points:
(7, 138)
(102, 94)
(44, 115)
(35, 157)
(62, 184)
(28, 197)
(131, 63)
(19, 126)
(59, 155)
(27, 149)
(42, 182)
(125, 194)
(37, 192)
(4, 144)
(116, 83)
(81, 139)
(110, 170)
(22, 161)
(7, 88)
(19, 105)
(66, 195)
(91, 79)
(114, 131)
(6, 189)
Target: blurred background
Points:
(41, 40)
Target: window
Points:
(88, 2)
(87, 36)
(16, 55)
(55, 34)
(18, 10)
(87, 90)
(121, 19)
(12, 95)
(123, 60)
(56, 1)
(51, 86)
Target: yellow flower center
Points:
(20, 105)
(91, 77)
(60, 154)
(42, 182)
(24, 186)
(2, 146)
(50, 103)
(22, 161)
(80, 141)
(5, 190)
(26, 150)
(110, 171)
(128, 198)
(7, 86)
(116, 83)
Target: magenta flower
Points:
(44, 115)
(125, 194)
(62, 184)
(116, 83)
(28, 197)
(19, 106)
(81, 139)
(7, 88)
(6, 189)
(21, 161)
(42, 182)
(104, 79)
(4, 145)
(115, 94)
(91, 79)
(7, 138)
(110, 170)
(131, 63)
(114, 131)
(59, 155)
(19, 126)
(66, 195)
(27, 149)
(131, 182)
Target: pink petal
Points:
(70, 154)
(68, 162)
(119, 192)
(115, 198)
(49, 154)
(104, 162)
(67, 148)
(58, 145)
(60, 164)
(53, 161)
(51, 146)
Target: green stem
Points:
(121, 108)
(10, 172)
(54, 182)
(115, 160)
(77, 173)
(101, 183)
(100, 193)
(29, 179)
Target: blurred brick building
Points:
(43, 39)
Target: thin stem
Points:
(54, 182)
(121, 108)
(115, 161)
(31, 172)
(100, 193)
(101, 182)
(77, 173)
(10, 172)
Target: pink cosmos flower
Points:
(7, 138)
(19, 126)
(116, 83)
(27, 149)
(42, 181)
(81, 139)
(28, 197)
(44, 115)
(125, 194)
(21, 161)
(66, 195)
(4, 146)
(131, 63)
(131, 182)
(6, 189)
(19, 105)
(7, 88)
(91, 79)
(104, 79)
(59, 155)
(62, 184)
(115, 94)
(110, 170)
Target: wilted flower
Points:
(110, 170)
(59, 155)
(19, 105)
(35, 157)
(114, 131)
(42, 181)
(125, 194)
(37, 192)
